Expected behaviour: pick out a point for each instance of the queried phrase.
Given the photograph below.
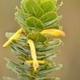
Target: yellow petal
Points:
(39, 61)
(33, 54)
(35, 66)
(14, 37)
(53, 32)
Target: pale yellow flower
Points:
(33, 54)
(14, 37)
(53, 32)
(39, 61)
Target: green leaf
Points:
(33, 8)
(37, 37)
(52, 21)
(17, 68)
(49, 70)
(34, 24)
(19, 50)
(48, 17)
(51, 56)
(48, 5)
(23, 6)
(51, 45)
(21, 20)
(20, 17)
(24, 76)
(54, 27)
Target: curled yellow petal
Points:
(53, 32)
(33, 54)
(14, 37)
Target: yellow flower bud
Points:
(14, 37)
(53, 32)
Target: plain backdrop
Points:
(70, 51)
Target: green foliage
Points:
(35, 16)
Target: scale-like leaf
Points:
(53, 68)
(16, 68)
(48, 17)
(34, 23)
(37, 37)
(49, 46)
(47, 24)
(48, 6)
(54, 27)
(24, 76)
(33, 8)
(50, 57)
(23, 6)
(19, 50)
(20, 18)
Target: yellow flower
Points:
(14, 37)
(33, 54)
(53, 32)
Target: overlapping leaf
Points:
(34, 24)
(49, 46)
(48, 5)
(50, 69)
(33, 8)
(37, 37)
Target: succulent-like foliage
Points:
(37, 35)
